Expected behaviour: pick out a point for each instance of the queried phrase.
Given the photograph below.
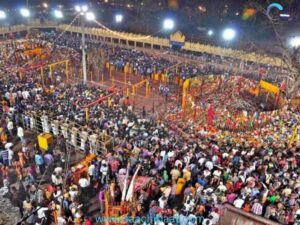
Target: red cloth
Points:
(114, 164)
(50, 188)
(210, 115)
(87, 222)
(6, 109)
(111, 90)
(283, 85)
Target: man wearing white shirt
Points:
(61, 220)
(122, 171)
(238, 203)
(7, 94)
(83, 182)
(73, 193)
(19, 94)
(209, 165)
(20, 133)
(222, 187)
(10, 127)
(178, 164)
(91, 171)
(103, 170)
(56, 179)
(10, 156)
(171, 154)
(201, 161)
(214, 217)
(162, 202)
(58, 170)
(25, 95)
(41, 213)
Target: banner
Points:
(33, 52)
(269, 87)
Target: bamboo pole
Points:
(42, 77)
(51, 75)
(125, 80)
(87, 115)
(67, 70)
(113, 81)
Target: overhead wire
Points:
(67, 28)
(122, 35)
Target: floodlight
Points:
(119, 18)
(168, 24)
(284, 15)
(25, 12)
(58, 14)
(2, 14)
(90, 16)
(295, 42)
(77, 8)
(229, 34)
(84, 8)
(210, 32)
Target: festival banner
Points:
(269, 87)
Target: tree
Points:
(289, 57)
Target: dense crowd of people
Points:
(146, 64)
(187, 176)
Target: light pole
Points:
(83, 48)
(83, 10)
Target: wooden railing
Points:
(234, 216)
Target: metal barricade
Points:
(81, 138)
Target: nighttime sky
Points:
(181, 3)
(18, 3)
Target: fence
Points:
(79, 137)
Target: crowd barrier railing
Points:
(81, 138)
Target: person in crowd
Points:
(39, 160)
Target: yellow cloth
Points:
(179, 187)
(187, 175)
